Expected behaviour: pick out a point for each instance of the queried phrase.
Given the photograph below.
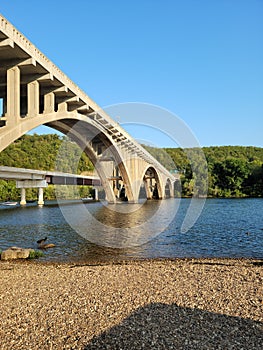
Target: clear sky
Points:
(200, 59)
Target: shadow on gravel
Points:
(161, 326)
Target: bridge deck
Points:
(51, 177)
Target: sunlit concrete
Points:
(36, 92)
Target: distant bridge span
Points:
(35, 92)
(31, 178)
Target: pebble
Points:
(151, 304)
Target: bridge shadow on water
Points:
(161, 326)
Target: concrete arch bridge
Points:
(34, 92)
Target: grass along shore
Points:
(151, 304)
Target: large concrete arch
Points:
(76, 127)
(35, 92)
(84, 135)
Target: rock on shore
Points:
(16, 253)
(158, 304)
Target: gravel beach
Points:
(153, 304)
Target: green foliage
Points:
(8, 191)
(162, 156)
(230, 175)
(49, 193)
(35, 254)
(42, 152)
(233, 171)
(45, 152)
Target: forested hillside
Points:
(233, 171)
(42, 152)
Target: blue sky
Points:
(200, 59)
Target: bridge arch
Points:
(87, 136)
(35, 92)
(152, 183)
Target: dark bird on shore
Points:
(42, 240)
(42, 245)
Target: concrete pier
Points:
(23, 196)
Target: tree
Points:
(230, 175)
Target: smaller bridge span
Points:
(31, 178)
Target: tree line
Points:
(44, 152)
(232, 171)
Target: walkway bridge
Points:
(35, 92)
(31, 178)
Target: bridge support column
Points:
(96, 194)
(13, 96)
(62, 107)
(49, 103)
(33, 98)
(147, 189)
(23, 196)
(40, 196)
(135, 167)
(40, 184)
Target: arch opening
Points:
(168, 191)
(93, 140)
(152, 184)
(103, 154)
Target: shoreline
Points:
(132, 261)
(144, 304)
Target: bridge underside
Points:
(35, 92)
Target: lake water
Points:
(226, 228)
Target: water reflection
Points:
(132, 214)
(106, 227)
(226, 228)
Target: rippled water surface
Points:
(226, 228)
